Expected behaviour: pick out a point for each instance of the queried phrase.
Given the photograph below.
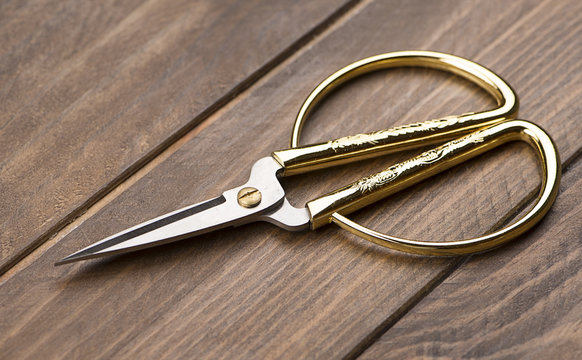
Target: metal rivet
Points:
(249, 197)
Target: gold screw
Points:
(249, 197)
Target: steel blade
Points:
(193, 220)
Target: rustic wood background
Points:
(116, 112)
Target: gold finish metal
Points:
(451, 154)
(352, 148)
(249, 197)
(480, 132)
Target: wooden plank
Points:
(257, 291)
(522, 302)
(92, 90)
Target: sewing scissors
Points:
(262, 198)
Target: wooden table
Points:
(116, 112)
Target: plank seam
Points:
(391, 320)
(302, 42)
(409, 305)
(573, 159)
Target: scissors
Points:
(262, 198)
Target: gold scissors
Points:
(263, 199)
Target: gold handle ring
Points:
(507, 101)
(512, 130)
(495, 121)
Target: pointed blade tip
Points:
(65, 260)
(71, 258)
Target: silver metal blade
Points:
(288, 217)
(190, 221)
(204, 217)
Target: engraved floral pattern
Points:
(376, 181)
(375, 137)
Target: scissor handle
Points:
(332, 207)
(351, 148)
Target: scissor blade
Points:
(193, 220)
(190, 221)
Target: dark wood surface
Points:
(258, 291)
(91, 91)
(521, 302)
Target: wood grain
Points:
(260, 292)
(522, 302)
(92, 90)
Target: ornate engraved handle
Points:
(397, 177)
(361, 146)
(299, 160)
(486, 130)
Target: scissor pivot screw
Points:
(249, 197)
